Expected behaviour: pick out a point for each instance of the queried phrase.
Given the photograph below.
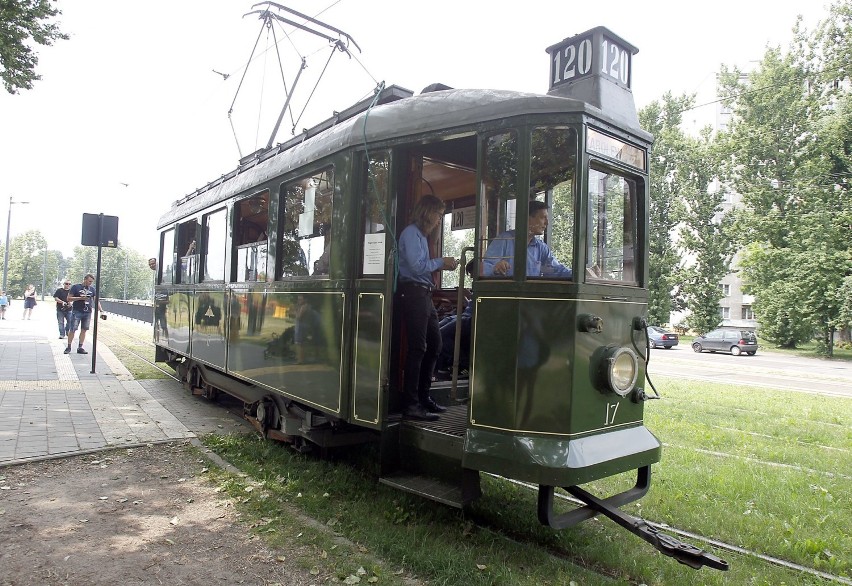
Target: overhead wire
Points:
(747, 91)
(839, 178)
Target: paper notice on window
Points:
(374, 254)
(306, 223)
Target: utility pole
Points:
(44, 272)
(6, 255)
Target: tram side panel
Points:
(209, 327)
(289, 342)
(174, 332)
(368, 354)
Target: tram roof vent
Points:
(595, 67)
(435, 87)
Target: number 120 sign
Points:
(596, 52)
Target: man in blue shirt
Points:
(414, 298)
(82, 295)
(500, 255)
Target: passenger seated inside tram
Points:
(448, 338)
(499, 257)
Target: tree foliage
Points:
(789, 157)
(665, 286)
(705, 231)
(27, 262)
(23, 22)
(124, 272)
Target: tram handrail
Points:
(459, 308)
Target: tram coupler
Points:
(571, 518)
(684, 553)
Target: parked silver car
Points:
(727, 340)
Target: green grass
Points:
(129, 340)
(761, 469)
(767, 470)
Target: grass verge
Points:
(758, 468)
(767, 470)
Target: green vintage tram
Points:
(276, 285)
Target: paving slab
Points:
(52, 405)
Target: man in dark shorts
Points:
(82, 296)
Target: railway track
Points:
(113, 342)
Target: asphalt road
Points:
(765, 369)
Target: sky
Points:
(132, 112)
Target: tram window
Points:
(612, 232)
(375, 214)
(499, 193)
(187, 240)
(167, 265)
(553, 163)
(307, 225)
(457, 236)
(214, 238)
(250, 237)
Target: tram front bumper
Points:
(559, 461)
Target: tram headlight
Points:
(622, 371)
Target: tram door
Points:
(392, 183)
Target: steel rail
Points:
(708, 540)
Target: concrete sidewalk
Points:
(52, 405)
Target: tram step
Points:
(431, 488)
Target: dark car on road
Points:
(727, 340)
(660, 338)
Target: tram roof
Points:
(426, 112)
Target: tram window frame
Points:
(567, 213)
(187, 240)
(214, 248)
(306, 218)
(251, 238)
(595, 242)
(499, 206)
(375, 215)
(167, 248)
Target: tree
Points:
(124, 272)
(663, 119)
(20, 22)
(705, 232)
(789, 159)
(26, 260)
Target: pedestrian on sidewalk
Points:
(4, 303)
(82, 296)
(29, 301)
(64, 317)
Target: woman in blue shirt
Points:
(414, 296)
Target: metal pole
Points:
(44, 273)
(6, 255)
(97, 300)
(125, 276)
(6, 259)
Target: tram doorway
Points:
(447, 171)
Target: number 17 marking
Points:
(611, 409)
